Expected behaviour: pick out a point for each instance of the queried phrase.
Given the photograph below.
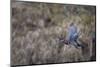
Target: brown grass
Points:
(36, 28)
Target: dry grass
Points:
(36, 28)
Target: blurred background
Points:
(36, 28)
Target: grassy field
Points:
(36, 28)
